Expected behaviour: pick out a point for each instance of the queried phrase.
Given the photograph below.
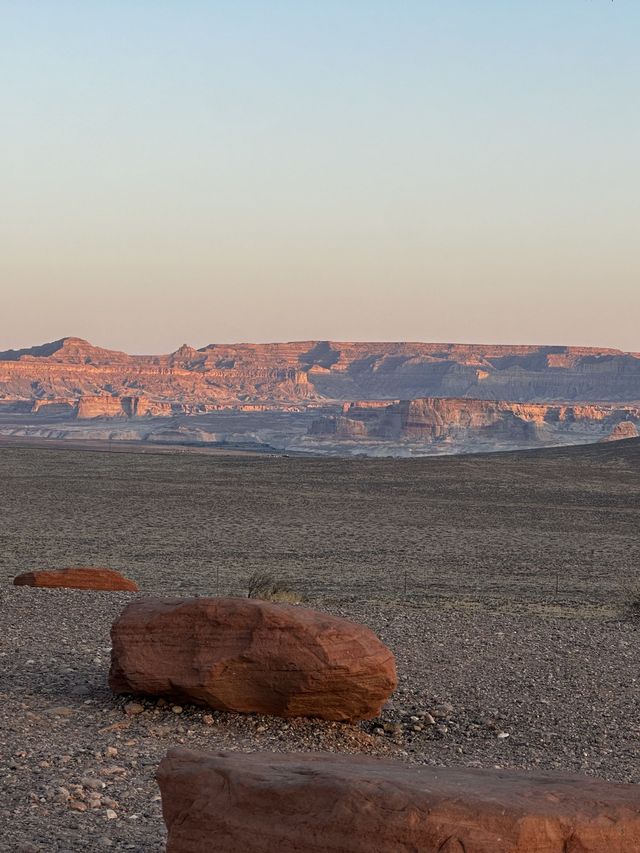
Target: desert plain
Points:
(506, 585)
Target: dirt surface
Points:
(546, 528)
(496, 668)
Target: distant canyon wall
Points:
(311, 372)
(465, 422)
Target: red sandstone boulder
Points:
(237, 654)
(262, 802)
(78, 578)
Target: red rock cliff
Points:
(288, 373)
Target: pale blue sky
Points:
(218, 171)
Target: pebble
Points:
(111, 815)
(133, 708)
(93, 783)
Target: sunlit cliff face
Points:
(312, 371)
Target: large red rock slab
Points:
(237, 654)
(77, 578)
(267, 802)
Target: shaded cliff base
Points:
(424, 427)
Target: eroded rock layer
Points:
(436, 420)
(304, 372)
(246, 655)
(263, 802)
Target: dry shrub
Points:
(632, 599)
(266, 586)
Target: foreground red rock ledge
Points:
(237, 654)
(259, 803)
(78, 578)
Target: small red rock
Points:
(77, 578)
(261, 802)
(238, 654)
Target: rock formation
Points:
(622, 430)
(106, 406)
(77, 578)
(262, 802)
(463, 421)
(251, 656)
(307, 371)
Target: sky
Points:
(261, 170)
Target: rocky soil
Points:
(477, 687)
(516, 651)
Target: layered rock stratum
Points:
(415, 398)
(279, 374)
(451, 421)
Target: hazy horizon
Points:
(413, 171)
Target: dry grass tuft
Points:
(266, 586)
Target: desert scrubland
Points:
(503, 584)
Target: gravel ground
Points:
(478, 686)
(519, 527)
(512, 647)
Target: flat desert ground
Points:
(502, 583)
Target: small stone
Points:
(414, 719)
(427, 719)
(208, 720)
(93, 783)
(77, 806)
(133, 708)
(261, 729)
(378, 730)
(60, 711)
(111, 815)
(503, 735)
(177, 709)
(110, 752)
(114, 770)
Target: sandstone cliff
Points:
(465, 422)
(622, 430)
(308, 372)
